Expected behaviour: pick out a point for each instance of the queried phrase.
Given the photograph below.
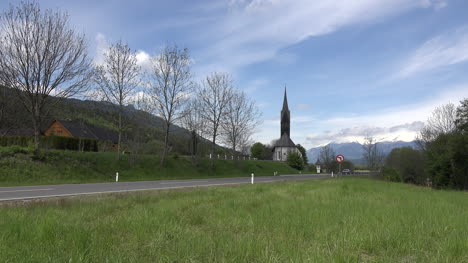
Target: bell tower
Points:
(285, 116)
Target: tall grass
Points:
(20, 167)
(340, 220)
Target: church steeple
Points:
(285, 116)
(285, 101)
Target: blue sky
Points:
(351, 67)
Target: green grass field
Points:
(17, 167)
(330, 220)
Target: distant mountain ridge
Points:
(353, 151)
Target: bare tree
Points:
(371, 153)
(41, 56)
(192, 120)
(170, 86)
(214, 96)
(245, 145)
(327, 157)
(117, 79)
(240, 120)
(441, 121)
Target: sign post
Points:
(339, 158)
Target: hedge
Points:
(53, 142)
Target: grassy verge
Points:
(340, 220)
(19, 167)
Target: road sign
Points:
(339, 158)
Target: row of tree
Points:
(42, 56)
(442, 154)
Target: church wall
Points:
(281, 153)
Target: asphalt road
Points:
(46, 191)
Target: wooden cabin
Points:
(79, 129)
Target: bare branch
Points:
(214, 96)
(240, 120)
(170, 87)
(117, 79)
(41, 56)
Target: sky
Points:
(352, 68)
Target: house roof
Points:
(83, 130)
(284, 141)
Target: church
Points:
(284, 146)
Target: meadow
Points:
(327, 220)
(18, 166)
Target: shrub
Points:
(408, 163)
(53, 142)
(13, 150)
(311, 167)
(295, 160)
(390, 174)
(447, 162)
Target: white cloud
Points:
(143, 59)
(439, 4)
(101, 47)
(256, 30)
(444, 50)
(302, 106)
(404, 132)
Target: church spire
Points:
(285, 116)
(285, 100)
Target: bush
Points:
(447, 162)
(311, 167)
(53, 142)
(390, 174)
(295, 160)
(408, 163)
(256, 150)
(11, 151)
(16, 141)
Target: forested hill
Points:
(141, 126)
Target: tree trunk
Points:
(213, 148)
(166, 143)
(194, 143)
(37, 134)
(37, 130)
(120, 135)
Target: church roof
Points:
(284, 141)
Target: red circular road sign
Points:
(339, 158)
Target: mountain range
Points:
(353, 151)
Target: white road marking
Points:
(182, 182)
(130, 190)
(115, 191)
(29, 190)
